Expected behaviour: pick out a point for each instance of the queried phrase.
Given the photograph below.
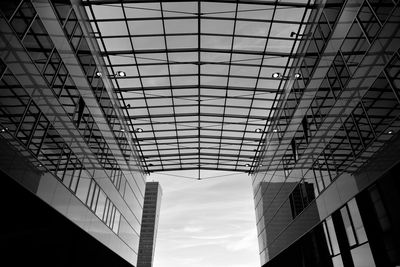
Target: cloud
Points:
(245, 242)
(192, 229)
(205, 223)
(214, 237)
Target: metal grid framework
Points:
(299, 157)
(198, 86)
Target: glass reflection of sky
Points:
(198, 74)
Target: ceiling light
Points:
(276, 75)
(258, 130)
(275, 130)
(3, 130)
(98, 74)
(390, 132)
(297, 75)
(40, 165)
(122, 130)
(139, 130)
(247, 165)
(121, 73)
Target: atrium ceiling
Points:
(197, 77)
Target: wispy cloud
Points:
(192, 229)
(245, 242)
(205, 223)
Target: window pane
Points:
(332, 235)
(337, 261)
(347, 224)
(358, 224)
(362, 256)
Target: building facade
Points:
(148, 232)
(337, 131)
(63, 135)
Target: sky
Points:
(208, 222)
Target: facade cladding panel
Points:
(62, 129)
(327, 189)
(148, 232)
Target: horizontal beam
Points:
(201, 106)
(234, 138)
(191, 167)
(248, 2)
(196, 34)
(195, 86)
(195, 17)
(237, 116)
(197, 50)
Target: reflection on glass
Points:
(362, 256)
(83, 187)
(347, 224)
(332, 235)
(328, 243)
(337, 261)
(358, 224)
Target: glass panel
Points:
(332, 235)
(348, 226)
(357, 221)
(354, 47)
(83, 187)
(337, 261)
(368, 21)
(362, 256)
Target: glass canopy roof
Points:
(198, 85)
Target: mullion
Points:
(173, 146)
(204, 105)
(227, 82)
(178, 87)
(193, 163)
(195, 156)
(195, 136)
(169, 77)
(194, 17)
(150, 118)
(137, 68)
(197, 74)
(195, 128)
(249, 2)
(195, 34)
(194, 50)
(256, 85)
(199, 83)
(160, 62)
(213, 146)
(189, 166)
(187, 123)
